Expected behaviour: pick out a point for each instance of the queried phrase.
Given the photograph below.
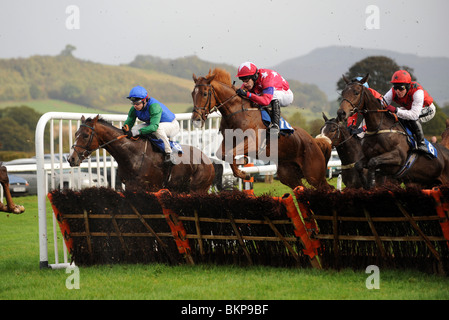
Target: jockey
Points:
(265, 87)
(156, 119)
(416, 105)
(352, 121)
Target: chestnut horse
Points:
(385, 147)
(140, 167)
(10, 206)
(297, 155)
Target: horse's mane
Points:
(104, 122)
(221, 75)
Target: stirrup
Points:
(168, 158)
(422, 147)
(274, 129)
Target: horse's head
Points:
(352, 97)
(333, 130)
(203, 99)
(86, 141)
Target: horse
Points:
(140, 165)
(349, 149)
(9, 206)
(385, 145)
(298, 154)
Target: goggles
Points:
(399, 87)
(246, 79)
(135, 101)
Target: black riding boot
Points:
(275, 117)
(419, 135)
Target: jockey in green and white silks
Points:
(155, 116)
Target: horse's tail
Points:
(325, 145)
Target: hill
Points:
(322, 68)
(182, 67)
(82, 82)
(104, 87)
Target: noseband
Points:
(86, 153)
(355, 109)
(339, 132)
(208, 105)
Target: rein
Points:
(86, 153)
(208, 105)
(339, 133)
(355, 109)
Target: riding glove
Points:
(126, 131)
(241, 92)
(392, 109)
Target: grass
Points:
(22, 279)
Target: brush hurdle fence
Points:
(54, 135)
(350, 229)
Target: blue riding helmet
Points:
(360, 78)
(138, 92)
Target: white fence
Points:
(50, 172)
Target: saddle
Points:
(160, 146)
(412, 155)
(284, 126)
(431, 150)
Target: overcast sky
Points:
(266, 32)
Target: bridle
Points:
(87, 152)
(339, 132)
(208, 108)
(355, 108)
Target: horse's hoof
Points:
(18, 209)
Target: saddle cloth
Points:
(285, 127)
(430, 148)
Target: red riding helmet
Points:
(246, 69)
(401, 76)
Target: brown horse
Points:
(349, 149)
(385, 147)
(297, 155)
(140, 167)
(10, 206)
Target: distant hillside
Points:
(325, 66)
(100, 86)
(181, 67)
(86, 83)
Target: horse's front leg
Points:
(387, 159)
(230, 158)
(10, 206)
(360, 167)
